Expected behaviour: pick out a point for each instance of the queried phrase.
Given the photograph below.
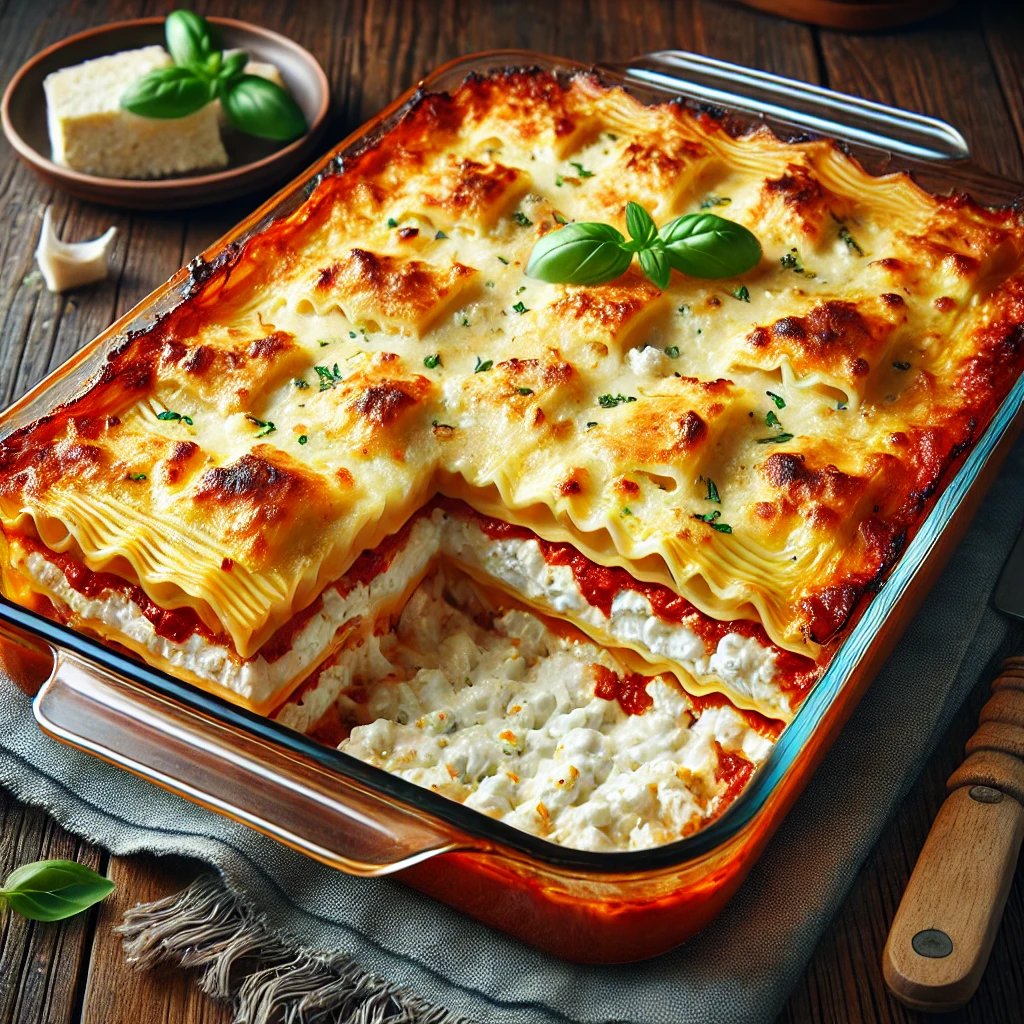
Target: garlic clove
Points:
(67, 265)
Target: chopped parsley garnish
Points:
(559, 181)
(777, 439)
(328, 378)
(851, 242)
(780, 402)
(713, 200)
(713, 494)
(610, 401)
(771, 420)
(439, 236)
(581, 170)
(591, 424)
(672, 351)
(559, 218)
(432, 362)
(465, 321)
(392, 223)
(303, 439)
(521, 289)
(300, 383)
(167, 414)
(791, 261)
(136, 476)
(501, 259)
(521, 219)
(683, 309)
(627, 511)
(840, 406)
(482, 365)
(324, 344)
(520, 307)
(266, 427)
(742, 293)
(351, 334)
(525, 391)
(901, 366)
(711, 518)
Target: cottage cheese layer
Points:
(736, 665)
(506, 720)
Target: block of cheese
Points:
(91, 132)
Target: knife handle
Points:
(942, 935)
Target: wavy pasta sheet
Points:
(760, 446)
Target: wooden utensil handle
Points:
(943, 932)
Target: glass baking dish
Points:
(584, 906)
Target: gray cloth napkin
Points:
(740, 969)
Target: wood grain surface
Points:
(966, 66)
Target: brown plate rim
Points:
(147, 186)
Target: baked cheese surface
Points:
(383, 344)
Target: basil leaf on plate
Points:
(51, 890)
(579, 253)
(189, 40)
(258, 107)
(654, 263)
(167, 93)
(707, 246)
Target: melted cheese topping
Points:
(382, 343)
(507, 721)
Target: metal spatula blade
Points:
(1009, 593)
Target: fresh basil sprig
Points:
(699, 245)
(202, 73)
(51, 890)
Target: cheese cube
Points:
(91, 132)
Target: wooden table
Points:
(967, 67)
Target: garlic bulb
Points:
(67, 265)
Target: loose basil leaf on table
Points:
(258, 107)
(703, 245)
(167, 93)
(189, 40)
(579, 253)
(51, 890)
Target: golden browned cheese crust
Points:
(383, 343)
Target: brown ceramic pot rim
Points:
(48, 166)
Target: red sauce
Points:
(630, 691)
(175, 624)
(599, 584)
(732, 774)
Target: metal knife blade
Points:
(1009, 593)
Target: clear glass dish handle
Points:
(798, 104)
(320, 813)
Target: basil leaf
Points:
(579, 253)
(167, 93)
(232, 67)
(189, 40)
(639, 224)
(704, 245)
(258, 107)
(51, 890)
(654, 263)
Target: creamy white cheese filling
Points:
(739, 665)
(505, 720)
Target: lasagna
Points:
(572, 555)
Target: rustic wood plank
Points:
(118, 993)
(41, 965)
